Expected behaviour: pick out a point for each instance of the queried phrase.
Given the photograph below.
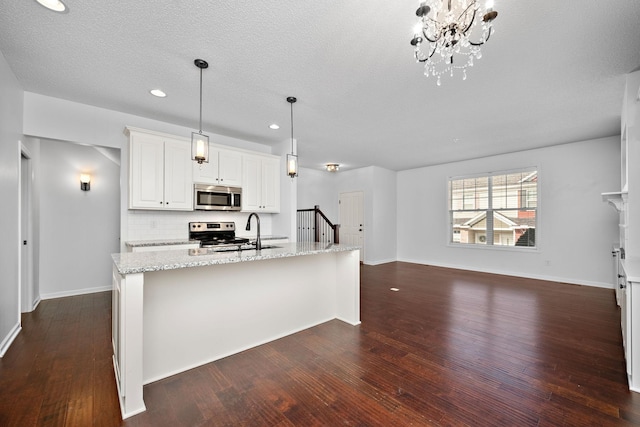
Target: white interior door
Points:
(352, 220)
(26, 254)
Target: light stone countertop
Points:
(140, 262)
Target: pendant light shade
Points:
(292, 165)
(199, 147)
(200, 141)
(292, 159)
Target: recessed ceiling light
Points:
(158, 93)
(274, 126)
(55, 5)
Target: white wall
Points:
(384, 216)
(318, 187)
(575, 230)
(379, 187)
(54, 118)
(11, 101)
(79, 230)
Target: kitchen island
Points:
(175, 310)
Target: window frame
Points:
(490, 209)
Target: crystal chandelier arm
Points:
(425, 58)
(484, 41)
(473, 18)
(424, 33)
(433, 23)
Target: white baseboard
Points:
(75, 292)
(515, 274)
(378, 262)
(34, 305)
(6, 342)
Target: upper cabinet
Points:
(162, 174)
(160, 171)
(260, 183)
(224, 168)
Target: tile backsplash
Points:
(163, 225)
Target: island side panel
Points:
(127, 332)
(348, 287)
(197, 315)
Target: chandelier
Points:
(449, 34)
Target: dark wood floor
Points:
(449, 348)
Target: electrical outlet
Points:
(547, 263)
(154, 224)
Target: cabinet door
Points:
(270, 185)
(178, 172)
(229, 167)
(251, 183)
(207, 173)
(146, 177)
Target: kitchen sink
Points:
(241, 248)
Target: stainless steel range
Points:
(215, 234)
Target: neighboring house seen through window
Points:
(498, 209)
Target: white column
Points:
(130, 344)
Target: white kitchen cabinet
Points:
(260, 183)
(160, 172)
(224, 168)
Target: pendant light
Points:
(199, 141)
(292, 159)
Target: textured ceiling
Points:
(552, 73)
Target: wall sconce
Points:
(85, 182)
(332, 167)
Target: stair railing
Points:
(314, 226)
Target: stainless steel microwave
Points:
(216, 198)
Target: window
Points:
(497, 209)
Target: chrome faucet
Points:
(258, 243)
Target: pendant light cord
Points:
(291, 127)
(200, 123)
